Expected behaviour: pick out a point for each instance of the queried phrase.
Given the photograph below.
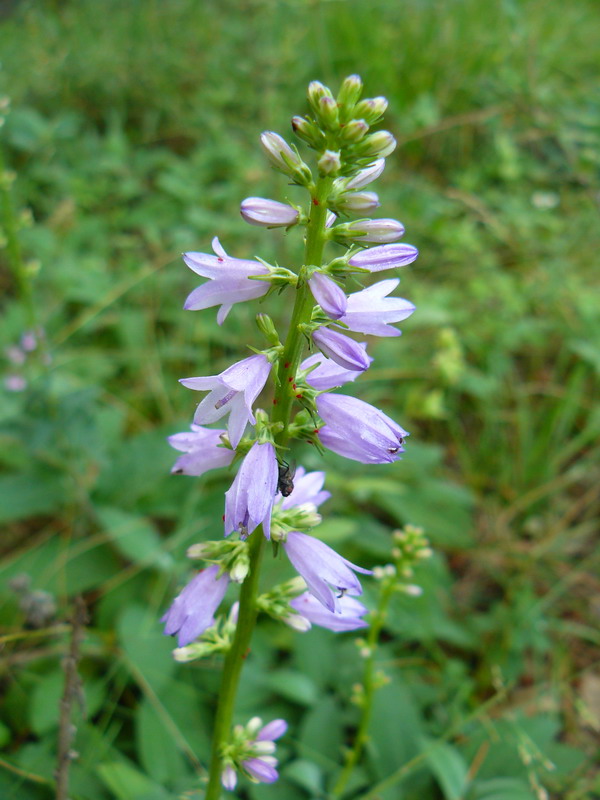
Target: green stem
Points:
(369, 688)
(284, 398)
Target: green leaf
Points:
(148, 652)
(503, 789)
(306, 774)
(321, 732)
(135, 537)
(293, 686)
(45, 702)
(449, 767)
(128, 783)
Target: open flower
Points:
(359, 431)
(192, 611)
(371, 311)
(203, 450)
(229, 280)
(327, 575)
(328, 295)
(232, 392)
(308, 488)
(249, 501)
(347, 619)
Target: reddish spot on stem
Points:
(293, 385)
(274, 401)
(315, 202)
(316, 430)
(286, 365)
(246, 654)
(220, 260)
(299, 396)
(290, 379)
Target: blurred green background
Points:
(132, 135)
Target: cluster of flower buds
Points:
(251, 752)
(17, 356)
(410, 548)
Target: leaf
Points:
(45, 702)
(293, 686)
(29, 494)
(503, 789)
(449, 767)
(128, 783)
(321, 732)
(306, 774)
(148, 651)
(135, 536)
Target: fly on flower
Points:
(285, 481)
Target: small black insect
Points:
(285, 483)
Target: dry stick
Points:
(71, 691)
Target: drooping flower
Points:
(386, 256)
(268, 213)
(203, 450)
(328, 374)
(249, 500)
(233, 391)
(328, 295)
(192, 611)
(342, 349)
(349, 617)
(229, 280)
(371, 311)
(323, 569)
(359, 431)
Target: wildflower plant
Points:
(317, 356)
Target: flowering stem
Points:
(369, 686)
(284, 396)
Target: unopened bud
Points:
(199, 550)
(240, 569)
(350, 92)
(358, 202)
(308, 132)
(365, 176)
(268, 213)
(371, 110)
(379, 144)
(354, 131)
(328, 114)
(284, 158)
(316, 91)
(297, 622)
(411, 589)
(329, 163)
(267, 327)
(381, 231)
(229, 778)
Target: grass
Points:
(133, 136)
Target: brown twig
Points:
(72, 691)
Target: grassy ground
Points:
(132, 136)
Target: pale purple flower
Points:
(15, 383)
(348, 618)
(380, 144)
(29, 341)
(249, 501)
(232, 392)
(229, 280)
(328, 374)
(192, 611)
(229, 778)
(342, 349)
(357, 202)
(386, 256)
(359, 431)
(328, 575)
(328, 295)
(365, 176)
(279, 153)
(308, 488)
(374, 230)
(15, 355)
(256, 758)
(371, 311)
(262, 769)
(268, 213)
(203, 449)
(272, 730)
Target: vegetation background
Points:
(132, 135)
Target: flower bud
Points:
(229, 778)
(350, 92)
(354, 131)
(381, 231)
(371, 110)
(268, 213)
(240, 569)
(379, 144)
(298, 623)
(308, 132)
(358, 202)
(267, 327)
(365, 176)
(329, 163)
(327, 112)
(342, 349)
(284, 158)
(316, 91)
(328, 295)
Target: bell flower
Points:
(203, 450)
(308, 488)
(348, 618)
(328, 295)
(370, 311)
(386, 256)
(342, 349)
(359, 431)
(192, 611)
(229, 280)
(249, 500)
(232, 392)
(328, 374)
(328, 576)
